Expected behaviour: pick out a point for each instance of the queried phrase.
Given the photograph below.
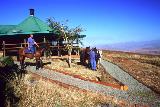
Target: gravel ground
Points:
(136, 94)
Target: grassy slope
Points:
(36, 92)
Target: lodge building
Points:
(18, 34)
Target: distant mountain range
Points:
(145, 47)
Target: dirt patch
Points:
(82, 71)
(106, 77)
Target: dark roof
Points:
(81, 36)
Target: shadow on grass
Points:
(8, 74)
(34, 64)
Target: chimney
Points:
(31, 12)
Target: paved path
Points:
(137, 93)
(140, 91)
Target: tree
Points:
(69, 35)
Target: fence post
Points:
(78, 45)
(4, 49)
(44, 40)
(78, 51)
(25, 43)
(21, 45)
(58, 50)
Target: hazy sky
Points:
(105, 21)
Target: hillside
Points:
(144, 47)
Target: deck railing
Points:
(15, 47)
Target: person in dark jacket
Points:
(92, 56)
(97, 54)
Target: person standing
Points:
(31, 44)
(92, 56)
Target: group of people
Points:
(92, 56)
(88, 57)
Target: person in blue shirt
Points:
(31, 44)
(92, 56)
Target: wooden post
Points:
(4, 49)
(25, 43)
(21, 45)
(69, 57)
(78, 45)
(58, 49)
(78, 51)
(44, 40)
